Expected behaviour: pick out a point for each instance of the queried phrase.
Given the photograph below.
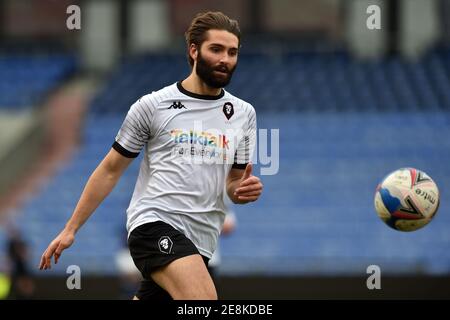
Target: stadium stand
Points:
(27, 79)
(344, 125)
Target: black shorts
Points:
(153, 245)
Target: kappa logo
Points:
(228, 110)
(177, 105)
(165, 244)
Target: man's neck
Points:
(195, 85)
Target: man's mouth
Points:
(221, 71)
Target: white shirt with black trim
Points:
(191, 142)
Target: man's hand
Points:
(99, 185)
(249, 188)
(63, 241)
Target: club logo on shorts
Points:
(228, 110)
(165, 244)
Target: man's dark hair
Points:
(196, 33)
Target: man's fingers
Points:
(249, 181)
(48, 260)
(47, 256)
(247, 172)
(44, 265)
(250, 198)
(44, 262)
(58, 253)
(250, 193)
(250, 188)
(41, 263)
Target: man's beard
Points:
(206, 72)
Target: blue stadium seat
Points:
(26, 80)
(344, 124)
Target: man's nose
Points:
(225, 58)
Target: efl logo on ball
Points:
(407, 199)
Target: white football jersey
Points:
(191, 142)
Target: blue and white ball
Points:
(407, 199)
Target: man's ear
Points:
(193, 52)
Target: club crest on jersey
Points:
(228, 110)
(165, 244)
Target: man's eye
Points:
(215, 49)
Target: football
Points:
(407, 199)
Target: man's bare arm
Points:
(99, 185)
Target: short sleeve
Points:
(135, 130)
(246, 146)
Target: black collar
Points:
(199, 96)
